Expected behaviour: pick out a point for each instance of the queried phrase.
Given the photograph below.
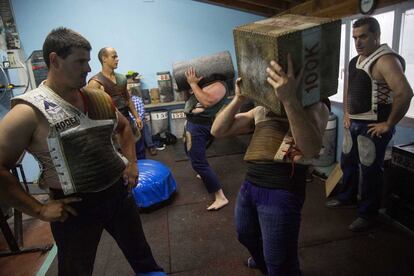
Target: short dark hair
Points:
(373, 25)
(102, 52)
(136, 91)
(61, 41)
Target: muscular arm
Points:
(307, 124)
(17, 130)
(391, 70)
(347, 122)
(95, 84)
(209, 95)
(127, 143)
(229, 122)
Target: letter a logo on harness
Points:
(51, 107)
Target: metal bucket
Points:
(178, 118)
(159, 121)
(214, 67)
(327, 155)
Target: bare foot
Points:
(220, 201)
(218, 204)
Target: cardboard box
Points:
(314, 44)
(403, 156)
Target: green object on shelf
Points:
(133, 75)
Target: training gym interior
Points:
(152, 39)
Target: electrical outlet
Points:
(11, 57)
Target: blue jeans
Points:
(140, 148)
(268, 222)
(146, 133)
(360, 150)
(77, 237)
(146, 140)
(197, 137)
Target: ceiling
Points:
(260, 7)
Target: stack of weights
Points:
(178, 97)
(165, 87)
(154, 95)
(146, 98)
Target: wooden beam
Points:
(333, 8)
(271, 4)
(346, 8)
(244, 6)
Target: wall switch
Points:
(6, 64)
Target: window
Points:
(400, 15)
(341, 78)
(407, 50)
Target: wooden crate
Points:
(314, 44)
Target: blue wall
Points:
(148, 36)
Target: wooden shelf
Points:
(13, 67)
(163, 104)
(174, 103)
